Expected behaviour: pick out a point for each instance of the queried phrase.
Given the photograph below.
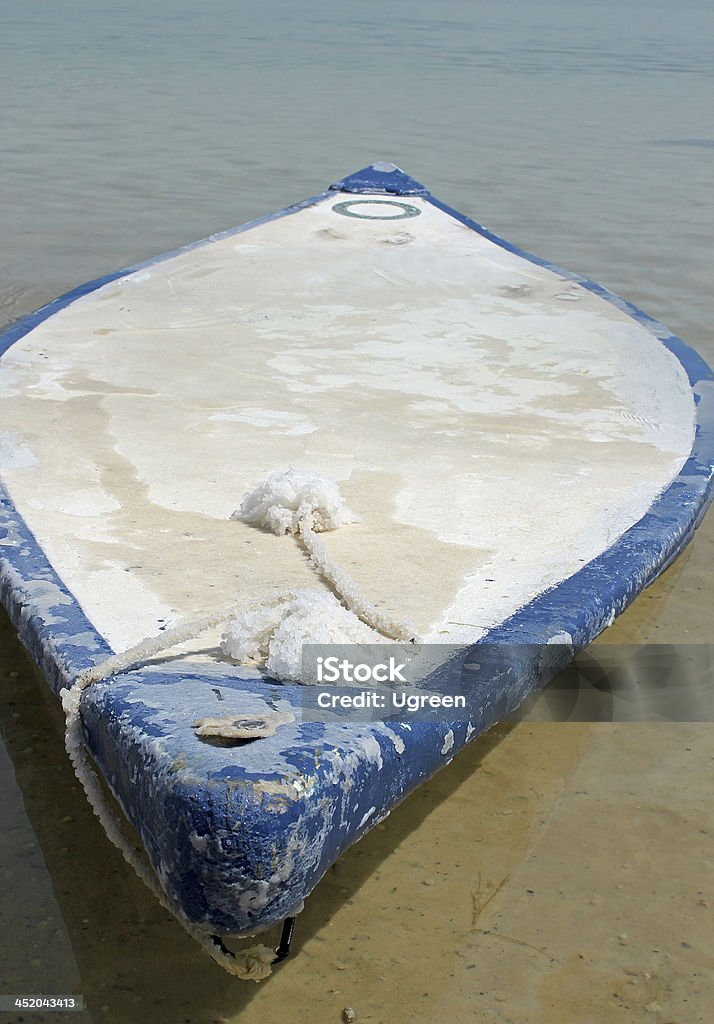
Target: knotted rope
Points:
(305, 504)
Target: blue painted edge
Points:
(63, 642)
(381, 178)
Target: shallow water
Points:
(582, 133)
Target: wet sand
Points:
(554, 872)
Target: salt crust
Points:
(274, 635)
(289, 498)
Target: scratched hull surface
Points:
(525, 453)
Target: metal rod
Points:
(286, 938)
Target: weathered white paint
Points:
(494, 425)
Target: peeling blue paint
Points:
(239, 836)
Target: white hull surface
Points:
(524, 451)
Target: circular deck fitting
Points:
(347, 209)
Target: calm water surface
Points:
(581, 132)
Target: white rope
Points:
(152, 646)
(347, 587)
